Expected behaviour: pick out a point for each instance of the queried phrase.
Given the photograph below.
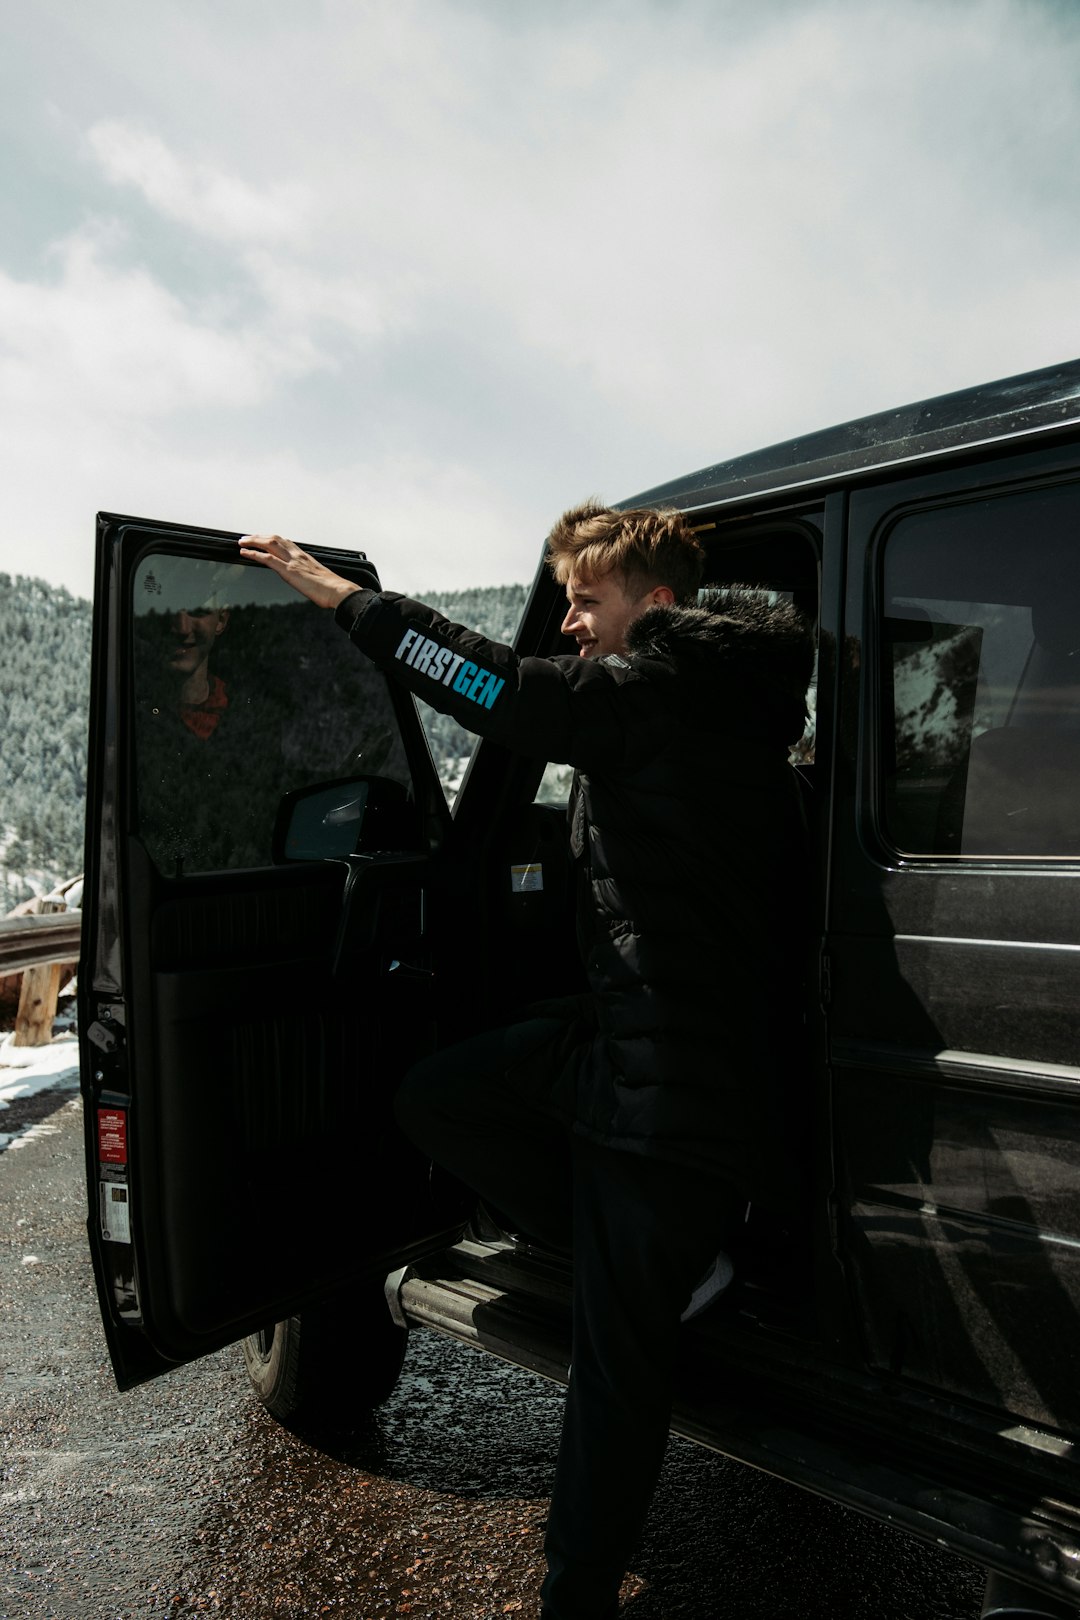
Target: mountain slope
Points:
(44, 687)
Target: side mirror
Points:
(330, 821)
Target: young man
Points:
(632, 1126)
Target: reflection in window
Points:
(981, 679)
(242, 691)
(555, 785)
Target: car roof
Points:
(996, 410)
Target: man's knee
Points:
(493, 1082)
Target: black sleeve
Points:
(575, 711)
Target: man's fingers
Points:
(265, 545)
(297, 568)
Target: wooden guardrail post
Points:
(38, 996)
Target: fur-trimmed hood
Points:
(765, 648)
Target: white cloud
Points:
(272, 230)
(199, 195)
(428, 524)
(720, 231)
(303, 298)
(690, 228)
(814, 224)
(103, 341)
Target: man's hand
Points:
(321, 585)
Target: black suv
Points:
(282, 915)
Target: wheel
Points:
(1006, 1599)
(332, 1363)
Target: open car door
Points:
(244, 1018)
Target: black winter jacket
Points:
(687, 825)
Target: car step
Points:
(458, 1292)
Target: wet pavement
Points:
(185, 1498)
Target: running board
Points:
(531, 1330)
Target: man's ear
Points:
(223, 619)
(662, 596)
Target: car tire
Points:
(331, 1364)
(1006, 1599)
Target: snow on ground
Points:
(26, 1070)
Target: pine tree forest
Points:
(44, 703)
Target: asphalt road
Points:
(184, 1498)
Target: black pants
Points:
(497, 1111)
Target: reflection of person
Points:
(198, 808)
(633, 1125)
(200, 696)
(181, 614)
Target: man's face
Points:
(192, 633)
(601, 612)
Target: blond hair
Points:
(647, 547)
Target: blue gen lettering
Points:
(448, 668)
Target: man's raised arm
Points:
(531, 705)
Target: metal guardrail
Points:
(27, 942)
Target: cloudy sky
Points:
(413, 275)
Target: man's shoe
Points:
(715, 1282)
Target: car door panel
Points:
(240, 1138)
(954, 947)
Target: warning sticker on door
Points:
(115, 1212)
(525, 878)
(112, 1136)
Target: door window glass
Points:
(555, 785)
(493, 611)
(242, 691)
(980, 643)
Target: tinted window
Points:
(980, 635)
(242, 691)
(494, 611)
